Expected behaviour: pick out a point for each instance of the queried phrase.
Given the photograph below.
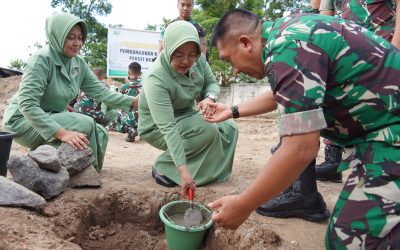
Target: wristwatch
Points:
(235, 111)
(212, 97)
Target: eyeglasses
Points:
(182, 57)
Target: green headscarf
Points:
(178, 33)
(57, 28)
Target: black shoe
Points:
(132, 133)
(162, 179)
(327, 171)
(293, 204)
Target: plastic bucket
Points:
(5, 148)
(180, 237)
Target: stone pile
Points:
(45, 173)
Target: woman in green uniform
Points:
(195, 152)
(52, 78)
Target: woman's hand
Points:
(205, 107)
(75, 139)
(186, 180)
(221, 112)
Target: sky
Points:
(22, 22)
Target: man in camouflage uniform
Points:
(90, 107)
(329, 77)
(129, 118)
(133, 84)
(110, 118)
(185, 8)
(378, 16)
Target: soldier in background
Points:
(380, 17)
(108, 117)
(133, 83)
(185, 8)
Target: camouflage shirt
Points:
(376, 15)
(131, 88)
(332, 75)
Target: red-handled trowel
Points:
(193, 216)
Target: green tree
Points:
(17, 64)
(207, 13)
(151, 27)
(95, 49)
(278, 8)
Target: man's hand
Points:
(186, 180)
(230, 211)
(221, 112)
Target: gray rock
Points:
(47, 158)
(74, 160)
(86, 178)
(15, 195)
(26, 172)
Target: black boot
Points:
(300, 200)
(132, 133)
(327, 171)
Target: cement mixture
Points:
(187, 215)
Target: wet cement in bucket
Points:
(178, 214)
(193, 216)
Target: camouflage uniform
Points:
(122, 122)
(132, 89)
(376, 15)
(111, 119)
(126, 118)
(90, 107)
(333, 76)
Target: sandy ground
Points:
(123, 212)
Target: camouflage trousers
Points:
(122, 121)
(367, 213)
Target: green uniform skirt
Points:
(209, 148)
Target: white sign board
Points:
(125, 46)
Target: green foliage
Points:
(151, 27)
(95, 49)
(278, 8)
(207, 13)
(17, 64)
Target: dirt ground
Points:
(123, 212)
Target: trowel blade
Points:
(193, 216)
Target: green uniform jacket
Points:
(172, 95)
(46, 87)
(50, 81)
(168, 120)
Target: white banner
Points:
(125, 46)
